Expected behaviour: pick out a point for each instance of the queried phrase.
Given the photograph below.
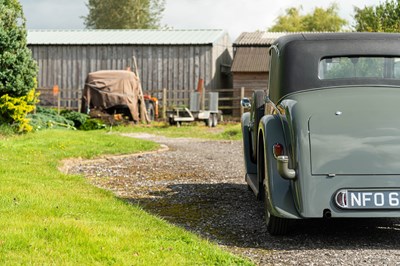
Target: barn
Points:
(250, 67)
(172, 59)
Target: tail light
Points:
(277, 150)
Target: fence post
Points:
(164, 106)
(201, 91)
(79, 102)
(241, 97)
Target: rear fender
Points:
(250, 166)
(278, 191)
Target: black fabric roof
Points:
(296, 68)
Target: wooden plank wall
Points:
(251, 82)
(176, 67)
(222, 56)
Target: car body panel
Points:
(279, 191)
(314, 190)
(354, 135)
(339, 134)
(250, 166)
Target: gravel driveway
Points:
(200, 186)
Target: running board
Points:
(251, 180)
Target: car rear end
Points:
(344, 144)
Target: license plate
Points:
(368, 199)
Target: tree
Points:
(319, 20)
(129, 14)
(17, 68)
(291, 22)
(384, 17)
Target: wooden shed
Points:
(250, 67)
(171, 59)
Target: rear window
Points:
(359, 67)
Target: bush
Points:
(48, 118)
(78, 118)
(93, 124)
(14, 111)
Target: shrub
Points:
(48, 118)
(14, 110)
(45, 118)
(78, 118)
(93, 124)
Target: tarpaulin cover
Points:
(111, 88)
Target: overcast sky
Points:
(234, 16)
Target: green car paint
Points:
(338, 121)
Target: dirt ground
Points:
(199, 185)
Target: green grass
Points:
(230, 131)
(47, 217)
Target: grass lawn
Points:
(229, 131)
(47, 217)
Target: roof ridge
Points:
(118, 30)
(128, 37)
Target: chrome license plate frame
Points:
(368, 199)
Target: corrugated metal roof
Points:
(135, 37)
(258, 38)
(251, 59)
(265, 38)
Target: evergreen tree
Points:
(17, 68)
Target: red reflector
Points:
(277, 150)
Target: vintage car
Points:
(324, 141)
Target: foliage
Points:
(6, 131)
(319, 20)
(93, 124)
(292, 21)
(14, 111)
(78, 118)
(46, 118)
(17, 68)
(384, 17)
(51, 218)
(130, 14)
(41, 121)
